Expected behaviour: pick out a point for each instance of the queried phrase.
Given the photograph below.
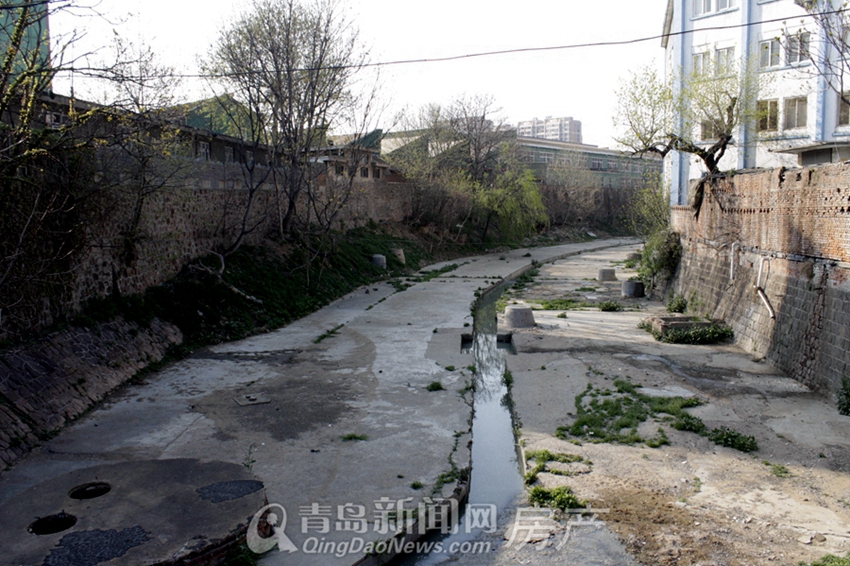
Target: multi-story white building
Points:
(800, 121)
(558, 129)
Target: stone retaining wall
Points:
(795, 225)
(46, 384)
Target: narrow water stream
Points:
(496, 478)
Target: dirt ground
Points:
(690, 502)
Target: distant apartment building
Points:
(557, 129)
(801, 118)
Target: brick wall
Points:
(795, 225)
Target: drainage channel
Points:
(495, 479)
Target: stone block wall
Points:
(55, 380)
(795, 226)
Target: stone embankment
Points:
(55, 380)
(787, 233)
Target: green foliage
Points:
(207, 311)
(649, 208)
(562, 304)
(417, 485)
(351, 437)
(435, 386)
(561, 498)
(729, 438)
(829, 560)
(677, 303)
(610, 306)
(778, 470)
(508, 379)
(844, 396)
(328, 334)
(660, 258)
(697, 335)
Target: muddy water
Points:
(496, 479)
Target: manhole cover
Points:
(52, 524)
(89, 490)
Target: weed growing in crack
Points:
(351, 437)
(777, 470)
(561, 498)
(435, 386)
(328, 334)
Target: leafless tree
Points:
(291, 66)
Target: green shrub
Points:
(724, 436)
(660, 258)
(698, 335)
(435, 386)
(561, 498)
(844, 397)
(677, 303)
(610, 306)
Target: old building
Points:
(799, 119)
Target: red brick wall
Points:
(795, 224)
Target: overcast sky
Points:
(575, 82)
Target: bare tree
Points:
(145, 151)
(291, 66)
(45, 176)
(830, 58)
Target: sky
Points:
(578, 83)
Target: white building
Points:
(558, 129)
(801, 119)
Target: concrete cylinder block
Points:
(607, 274)
(632, 289)
(399, 253)
(519, 316)
(379, 260)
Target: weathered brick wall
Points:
(55, 380)
(796, 226)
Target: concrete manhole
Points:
(152, 509)
(606, 274)
(52, 524)
(91, 490)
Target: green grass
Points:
(778, 470)
(561, 498)
(328, 334)
(610, 306)
(603, 415)
(435, 386)
(560, 304)
(351, 437)
(698, 335)
(729, 438)
(828, 560)
(417, 485)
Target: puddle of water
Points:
(495, 478)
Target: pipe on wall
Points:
(760, 290)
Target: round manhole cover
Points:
(91, 490)
(52, 524)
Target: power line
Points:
(508, 51)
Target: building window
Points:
(709, 130)
(547, 157)
(596, 164)
(708, 6)
(228, 155)
(249, 157)
(769, 53)
(797, 50)
(768, 115)
(844, 110)
(204, 151)
(340, 170)
(724, 61)
(795, 113)
(702, 63)
(376, 173)
(364, 172)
